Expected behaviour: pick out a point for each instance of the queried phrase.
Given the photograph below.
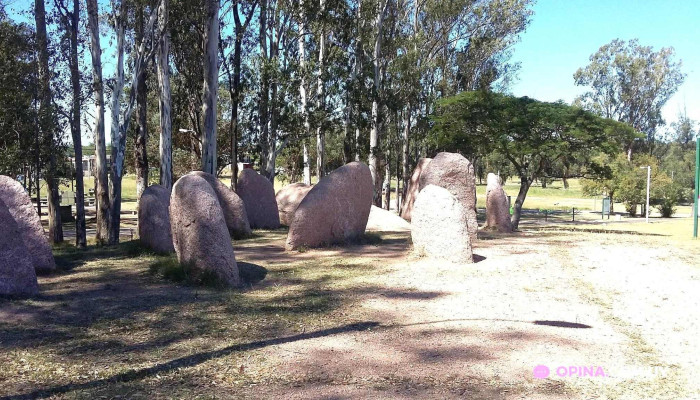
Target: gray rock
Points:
(231, 204)
(456, 174)
(258, 195)
(497, 211)
(335, 210)
(22, 210)
(17, 273)
(200, 235)
(154, 219)
(439, 226)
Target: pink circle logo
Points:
(541, 372)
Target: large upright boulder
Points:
(258, 195)
(231, 204)
(17, 272)
(31, 232)
(288, 199)
(497, 211)
(456, 174)
(412, 189)
(439, 226)
(154, 219)
(335, 210)
(200, 235)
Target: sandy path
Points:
(477, 331)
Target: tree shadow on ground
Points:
(189, 361)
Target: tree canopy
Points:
(534, 136)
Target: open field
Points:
(109, 327)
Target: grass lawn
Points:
(110, 326)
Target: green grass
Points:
(121, 321)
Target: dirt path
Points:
(477, 331)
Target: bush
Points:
(666, 197)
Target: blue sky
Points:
(564, 33)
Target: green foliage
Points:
(627, 183)
(18, 82)
(531, 134)
(630, 83)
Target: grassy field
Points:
(80, 336)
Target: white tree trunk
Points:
(307, 168)
(302, 90)
(163, 72)
(101, 180)
(374, 150)
(320, 134)
(115, 129)
(211, 79)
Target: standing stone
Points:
(231, 205)
(439, 226)
(497, 212)
(200, 235)
(24, 213)
(258, 195)
(456, 174)
(413, 189)
(288, 199)
(17, 273)
(335, 210)
(154, 219)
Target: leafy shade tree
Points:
(17, 89)
(531, 134)
(630, 83)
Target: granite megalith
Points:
(27, 219)
(200, 236)
(497, 211)
(154, 219)
(231, 204)
(335, 210)
(258, 195)
(17, 272)
(413, 188)
(439, 226)
(456, 174)
(288, 199)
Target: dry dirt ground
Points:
(372, 321)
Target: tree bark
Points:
(302, 90)
(320, 133)
(211, 80)
(72, 23)
(46, 122)
(115, 186)
(140, 152)
(101, 181)
(387, 181)
(374, 135)
(525, 184)
(235, 87)
(264, 92)
(165, 150)
(307, 167)
(120, 123)
(406, 148)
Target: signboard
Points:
(606, 207)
